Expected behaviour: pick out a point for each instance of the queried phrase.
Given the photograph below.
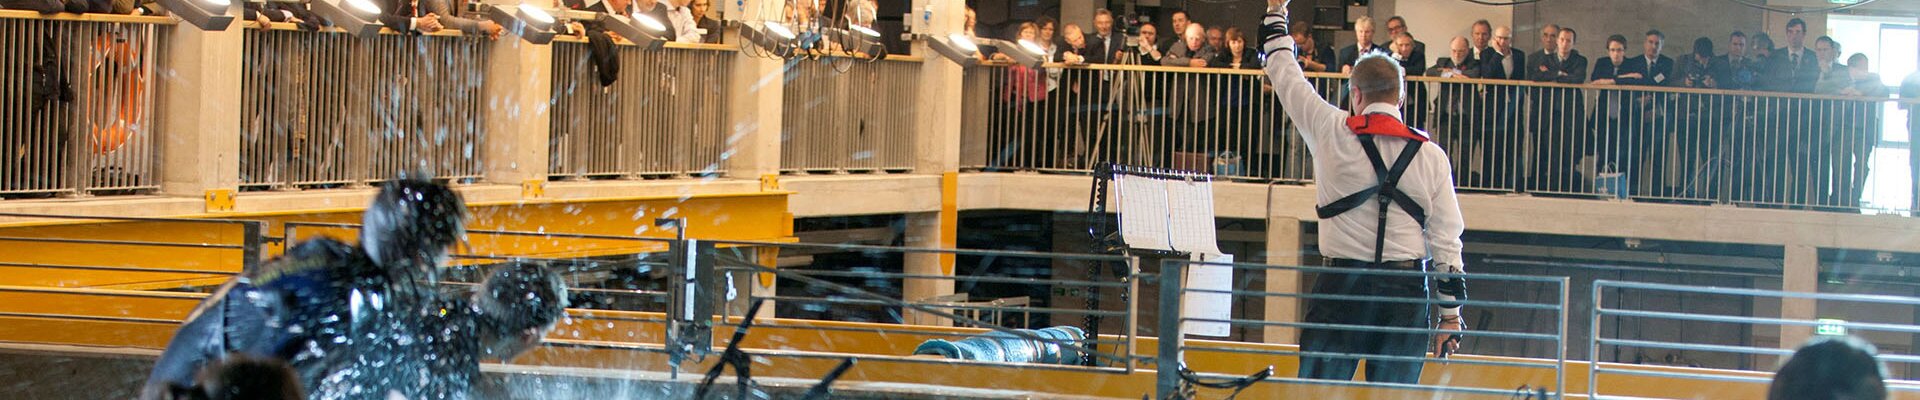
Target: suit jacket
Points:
(1741, 74)
(1788, 76)
(715, 30)
(1657, 74)
(1351, 54)
(1180, 55)
(1692, 73)
(1490, 67)
(1550, 68)
(1419, 52)
(1101, 51)
(1469, 69)
(400, 14)
(1324, 55)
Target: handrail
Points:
(90, 17)
(1412, 77)
(670, 45)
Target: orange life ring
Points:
(124, 94)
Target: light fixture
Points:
(774, 37)
(643, 30)
(957, 47)
(357, 17)
(208, 15)
(1023, 53)
(533, 24)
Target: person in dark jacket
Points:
(1558, 143)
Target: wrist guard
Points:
(1273, 28)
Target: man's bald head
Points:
(1195, 36)
(1503, 39)
(1376, 79)
(1459, 48)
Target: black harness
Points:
(1387, 191)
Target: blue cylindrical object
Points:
(999, 346)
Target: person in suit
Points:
(1454, 106)
(1794, 68)
(1608, 119)
(1148, 49)
(1558, 143)
(1740, 71)
(1648, 121)
(1178, 23)
(1698, 70)
(1313, 57)
(1415, 102)
(1397, 26)
(1104, 44)
(1500, 131)
(1481, 40)
(1363, 45)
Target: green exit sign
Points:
(1831, 327)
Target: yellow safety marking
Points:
(949, 219)
(219, 200)
(533, 189)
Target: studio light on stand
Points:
(533, 24)
(864, 40)
(208, 15)
(358, 17)
(1023, 52)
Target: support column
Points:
(1283, 248)
(200, 114)
(753, 113)
(1801, 275)
(519, 86)
(936, 141)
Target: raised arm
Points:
(1314, 116)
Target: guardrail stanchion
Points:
(1167, 359)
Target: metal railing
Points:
(886, 291)
(79, 113)
(845, 115)
(327, 108)
(1173, 323)
(1619, 312)
(1653, 143)
(225, 248)
(662, 117)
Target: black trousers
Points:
(1369, 314)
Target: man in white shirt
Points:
(1399, 225)
(685, 29)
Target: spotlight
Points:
(1023, 53)
(357, 17)
(774, 37)
(533, 24)
(864, 40)
(208, 15)
(642, 29)
(957, 47)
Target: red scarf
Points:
(1383, 125)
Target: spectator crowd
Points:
(1536, 134)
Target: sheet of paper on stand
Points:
(1190, 207)
(1143, 212)
(1208, 305)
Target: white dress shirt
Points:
(1341, 168)
(685, 29)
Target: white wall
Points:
(1436, 22)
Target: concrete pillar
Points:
(926, 230)
(753, 113)
(519, 85)
(1801, 275)
(1283, 248)
(936, 151)
(200, 113)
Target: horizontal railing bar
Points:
(1665, 374)
(1865, 298)
(135, 219)
(504, 233)
(1386, 329)
(1399, 386)
(1369, 271)
(993, 279)
(1695, 347)
(1869, 326)
(121, 269)
(963, 252)
(1033, 310)
(123, 243)
(1414, 300)
(90, 318)
(1544, 364)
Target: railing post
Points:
(752, 127)
(517, 89)
(1167, 360)
(199, 114)
(1801, 274)
(1283, 248)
